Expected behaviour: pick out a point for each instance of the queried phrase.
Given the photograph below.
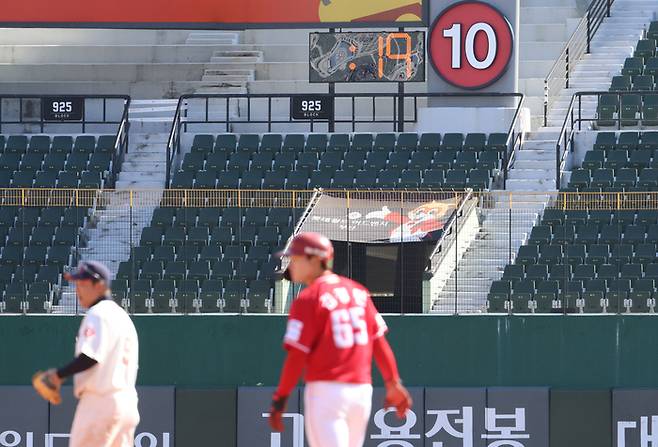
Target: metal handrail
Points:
(448, 229)
(578, 44)
(574, 120)
(397, 119)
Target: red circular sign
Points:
(471, 44)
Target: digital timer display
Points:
(367, 57)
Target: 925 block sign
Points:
(312, 107)
(61, 108)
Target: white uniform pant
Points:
(105, 420)
(336, 414)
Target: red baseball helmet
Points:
(311, 244)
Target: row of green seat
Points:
(101, 161)
(344, 142)
(589, 302)
(44, 144)
(636, 66)
(617, 180)
(221, 267)
(213, 216)
(288, 161)
(591, 233)
(211, 295)
(638, 74)
(477, 179)
(587, 250)
(627, 140)
(73, 179)
(642, 82)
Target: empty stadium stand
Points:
(40, 239)
(599, 256)
(294, 161)
(213, 259)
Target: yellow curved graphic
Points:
(370, 10)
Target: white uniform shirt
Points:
(108, 336)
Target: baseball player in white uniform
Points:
(105, 367)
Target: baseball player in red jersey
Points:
(333, 333)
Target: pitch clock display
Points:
(367, 57)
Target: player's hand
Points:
(397, 396)
(53, 377)
(276, 412)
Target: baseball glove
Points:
(46, 388)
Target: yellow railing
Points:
(198, 198)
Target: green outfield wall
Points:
(584, 351)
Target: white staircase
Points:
(613, 43)
(117, 227)
(545, 29)
(488, 254)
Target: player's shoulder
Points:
(105, 309)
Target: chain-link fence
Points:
(434, 252)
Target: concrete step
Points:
(534, 163)
(530, 185)
(529, 174)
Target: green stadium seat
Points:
(193, 161)
(384, 142)
(620, 83)
(419, 160)
(452, 142)
(84, 144)
(376, 160)
(314, 142)
(205, 180)
(652, 33)
(475, 142)
(362, 142)
(429, 141)
(645, 48)
(642, 82)
(400, 159)
(651, 67)
(216, 161)
(633, 66)
(271, 143)
(16, 144)
(61, 144)
(248, 143)
(339, 142)
(224, 143)
(228, 179)
(407, 142)
(262, 161)
(239, 160)
(251, 180)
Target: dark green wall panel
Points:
(206, 417)
(581, 418)
(594, 351)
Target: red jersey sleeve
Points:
(376, 323)
(301, 331)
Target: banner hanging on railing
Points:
(379, 220)
(212, 14)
